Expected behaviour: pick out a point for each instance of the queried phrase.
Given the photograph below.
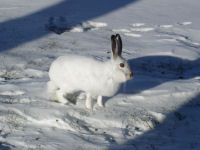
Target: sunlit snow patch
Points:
(142, 29)
(121, 30)
(95, 24)
(166, 26)
(12, 93)
(133, 35)
(185, 23)
(89, 25)
(138, 24)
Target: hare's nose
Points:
(131, 74)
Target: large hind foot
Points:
(51, 90)
(60, 97)
(88, 103)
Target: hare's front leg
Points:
(60, 96)
(99, 101)
(88, 103)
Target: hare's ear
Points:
(118, 44)
(114, 46)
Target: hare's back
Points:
(74, 70)
(76, 63)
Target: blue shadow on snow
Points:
(172, 133)
(162, 68)
(179, 131)
(32, 26)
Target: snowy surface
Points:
(157, 110)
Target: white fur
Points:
(72, 73)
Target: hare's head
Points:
(120, 65)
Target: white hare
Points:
(72, 73)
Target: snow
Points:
(133, 35)
(142, 29)
(90, 25)
(158, 109)
(138, 24)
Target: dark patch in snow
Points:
(58, 24)
(109, 138)
(164, 68)
(179, 116)
(72, 97)
(4, 135)
(167, 67)
(6, 146)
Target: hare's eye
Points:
(121, 65)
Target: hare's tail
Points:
(51, 90)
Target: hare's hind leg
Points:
(88, 103)
(60, 96)
(51, 90)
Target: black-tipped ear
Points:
(114, 46)
(118, 44)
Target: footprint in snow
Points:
(174, 35)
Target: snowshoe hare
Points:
(72, 73)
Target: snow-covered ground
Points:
(157, 110)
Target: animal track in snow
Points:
(174, 35)
(89, 25)
(134, 29)
(188, 42)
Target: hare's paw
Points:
(99, 101)
(60, 97)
